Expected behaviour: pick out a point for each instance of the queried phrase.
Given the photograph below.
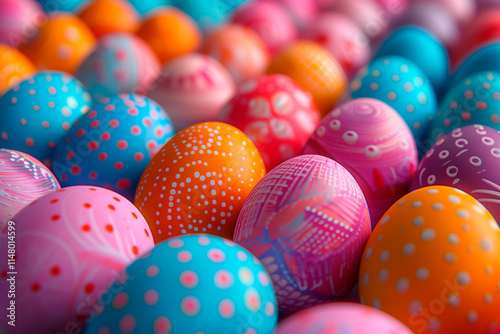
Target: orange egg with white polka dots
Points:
(198, 181)
(433, 262)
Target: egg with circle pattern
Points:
(38, 111)
(198, 181)
(433, 263)
(112, 144)
(191, 284)
(307, 221)
(70, 245)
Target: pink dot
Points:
(135, 130)
(123, 184)
(188, 279)
(496, 95)
(118, 165)
(92, 114)
(52, 90)
(52, 144)
(66, 126)
(133, 111)
(151, 297)
(64, 177)
(102, 156)
(75, 170)
(391, 96)
(119, 75)
(93, 175)
(190, 306)
(14, 100)
(151, 145)
(121, 54)
(223, 279)
(94, 124)
(226, 308)
(5, 136)
(159, 132)
(80, 133)
(93, 145)
(162, 325)
(120, 300)
(184, 256)
(446, 122)
(138, 156)
(114, 123)
(481, 105)
(469, 94)
(105, 136)
(45, 124)
(152, 271)
(250, 331)
(52, 104)
(29, 142)
(70, 155)
(147, 122)
(104, 330)
(31, 92)
(23, 121)
(127, 323)
(36, 108)
(109, 107)
(466, 116)
(216, 255)
(122, 144)
(495, 118)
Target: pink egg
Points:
(192, 89)
(70, 245)
(302, 12)
(461, 10)
(19, 19)
(367, 14)
(394, 7)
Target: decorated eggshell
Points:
(314, 69)
(368, 15)
(308, 222)
(71, 244)
(62, 43)
(38, 111)
(62, 5)
(483, 58)
(302, 12)
(239, 49)
(342, 318)
(170, 33)
(432, 263)
(276, 114)
(120, 63)
(193, 88)
(198, 181)
(14, 67)
(22, 180)
(18, 20)
(191, 284)
(373, 142)
(402, 85)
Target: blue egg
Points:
(484, 59)
(62, 5)
(190, 284)
(145, 6)
(401, 84)
(38, 111)
(424, 49)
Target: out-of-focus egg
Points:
(62, 43)
(199, 181)
(70, 245)
(193, 89)
(462, 11)
(120, 63)
(401, 84)
(367, 14)
(373, 142)
(239, 49)
(170, 33)
(342, 318)
(19, 19)
(108, 16)
(145, 7)
(14, 67)
(270, 21)
(395, 8)
(191, 284)
(62, 5)
(307, 221)
(112, 144)
(484, 58)
(23, 179)
(276, 114)
(38, 111)
(432, 263)
(487, 4)
(314, 69)
(302, 12)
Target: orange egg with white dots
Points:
(198, 181)
(14, 67)
(433, 262)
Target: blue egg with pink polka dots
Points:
(401, 84)
(111, 145)
(190, 284)
(39, 110)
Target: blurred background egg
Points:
(302, 12)
(307, 221)
(191, 284)
(483, 58)
(14, 67)
(62, 5)
(19, 19)
(146, 7)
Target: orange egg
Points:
(107, 16)
(62, 43)
(433, 262)
(314, 69)
(14, 67)
(198, 181)
(170, 33)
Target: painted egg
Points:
(170, 33)
(342, 318)
(422, 48)
(484, 58)
(14, 67)
(120, 63)
(373, 142)
(39, 110)
(145, 7)
(308, 222)
(72, 243)
(270, 21)
(302, 12)
(432, 263)
(198, 181)
(314, 69)
(112, 144)
(18, 20)
(276, 114)
(402, 85)
(367, 14)
(191, 284)
(62, 6)
(23, 179)
(61, 43)
(239, 49)
(110, 16)
(193, 88)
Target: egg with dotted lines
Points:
(38, 111)
(433, 263)
(70, 245)
(402, 85)
(191, 284)
(198, 181)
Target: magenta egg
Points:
(19, 20)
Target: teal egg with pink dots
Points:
(39, 110)
(190, 284)
(401, 84)
(111, 145)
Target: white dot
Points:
(423, 273)
(486, 245)
(402, 285)
(384, 256)
(418, 221)
(453, 239)
(432, 191)
(463, 214)
(385, 220)
(366, 278)
(409, 249)
(428, 234)
(454, 199)
(463, 278)
(488, 298)
(453, 299)
(434, 325)
(472, 316)
(416, 204)
(437, 206)
(450, 258)
(383, 274)
(369, 252)
(376, 303)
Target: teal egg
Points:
(483, 59)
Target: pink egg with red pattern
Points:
(70, 246)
